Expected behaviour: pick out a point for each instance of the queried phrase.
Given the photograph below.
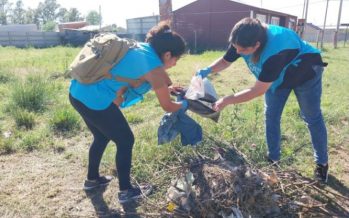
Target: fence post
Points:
(28, 39)
(9, 38)
(318, 39)
(346, 33)
(43, 36)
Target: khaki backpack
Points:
(98, 56)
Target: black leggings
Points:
(106, 125)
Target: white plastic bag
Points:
(199, 87)
(196, 88)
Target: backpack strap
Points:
(132, 82)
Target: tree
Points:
(5, 10)
(49, 26)
(62, 15)
(29, 15)
(74, 15)
(47, 11)
(93, 18)
(19, 14)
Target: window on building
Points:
(275, 20)
(262, 18)
(292, 24)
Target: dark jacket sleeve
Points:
(231, 54)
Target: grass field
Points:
(44, 143)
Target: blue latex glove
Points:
(204, 72)
(184, 105)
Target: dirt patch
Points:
(50, 184)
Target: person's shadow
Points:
(130, 209)
(343, 190)
(99, 204)
(102, 209)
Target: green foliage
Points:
(134, 118)
(18, 13)
(32, 94)
(65, 119)
(30, 142)
(5, 77)
(240, 125)
(93, 18)
(6, 146)
(23, 118)
(46, 11)
(49, 26)
(73, 15)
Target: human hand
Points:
(219, 104)
(176, 89)
(204, 72)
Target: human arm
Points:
(257, 90)
(158, 78)
(221, 63)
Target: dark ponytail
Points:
(163, 39)
(246, 33)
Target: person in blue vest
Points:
(141, 69)
(281, 63)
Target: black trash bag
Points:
(203, 106)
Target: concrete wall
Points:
(26, 39)
(141, 25)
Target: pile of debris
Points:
(220, 188)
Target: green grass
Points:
(23, 118)
(31, 94)
(65, 119)
(32, 81)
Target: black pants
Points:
(106, 125)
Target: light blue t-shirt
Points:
(136, 63)
(279, 39)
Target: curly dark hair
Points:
(163, 39)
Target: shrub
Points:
(31, 94)
(5, 77)
(6, 146)
(65, 119)
(24, 118)
(30, 142)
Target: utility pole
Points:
(306, 15)
(306, 3)
(338, 23)
(304, 8)
(323, 28)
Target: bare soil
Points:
(49, 184)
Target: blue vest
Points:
(279, 39)
(136, 63)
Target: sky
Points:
(117, 11)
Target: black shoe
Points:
(101, 181)
(134, 193)
(321, 173)
(273, 162)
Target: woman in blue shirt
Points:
(141, 69)
(281, 63)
